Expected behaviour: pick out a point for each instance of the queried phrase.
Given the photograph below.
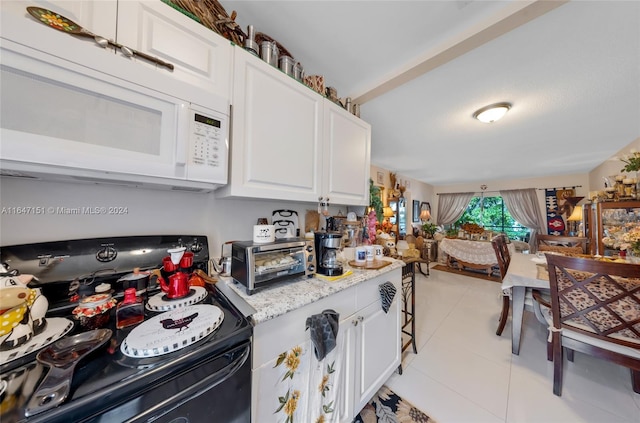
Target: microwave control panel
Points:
(208, 151)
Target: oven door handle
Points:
(210, 382)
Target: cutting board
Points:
(375, 264)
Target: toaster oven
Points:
(257, 265)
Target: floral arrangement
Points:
(631, 161)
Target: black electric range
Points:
(211, 377)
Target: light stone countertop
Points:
(282, 297)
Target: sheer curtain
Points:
(525, 209)
(451, 206)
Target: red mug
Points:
(187, 260)
(168, 265)
(178, 286)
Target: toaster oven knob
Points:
(311, 268)
(309, 248)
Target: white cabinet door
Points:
(280, 384)
(200, 57)
(276, 134)
(99, 17)
(346, 156)
(378, 350)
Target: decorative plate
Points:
(170, 331)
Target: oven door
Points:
(217, 389)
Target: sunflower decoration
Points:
(52, 19)
(291, 361)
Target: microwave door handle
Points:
(183, 139)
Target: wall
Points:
(147, 212)
(610, 167)
(416, 190)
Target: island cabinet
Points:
(290, 143)
(286, 371)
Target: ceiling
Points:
(419, 69)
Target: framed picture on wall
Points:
(380, 178)
(416, 211)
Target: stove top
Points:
(108, 375)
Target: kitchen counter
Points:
(283, 297)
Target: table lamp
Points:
(424, 216)
(575, 217)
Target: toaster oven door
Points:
(278, 264)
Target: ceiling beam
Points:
(513, 20)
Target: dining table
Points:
(472, 254)
(525, 272)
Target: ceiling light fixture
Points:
(492, 112)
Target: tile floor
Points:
(463, 372)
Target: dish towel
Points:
(387, 292)
(324, 331)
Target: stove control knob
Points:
(196, 247)
(106, 254)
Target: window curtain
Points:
(525, 209)
(452, 206)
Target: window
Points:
(490, 213)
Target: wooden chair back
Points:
(596, 298)
(503, 257)
(562, 244)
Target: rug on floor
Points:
(387, 407)
(479, 274)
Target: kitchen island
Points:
(286, 371)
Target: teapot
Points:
(177, 287)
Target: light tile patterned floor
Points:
(463, 372)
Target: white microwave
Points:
(64, 120)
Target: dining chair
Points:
(562, 244)
(594, 309)
(503, 257)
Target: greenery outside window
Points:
(491, 213)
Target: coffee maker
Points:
(327, 246)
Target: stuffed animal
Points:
(22, 309)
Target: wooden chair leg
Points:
(557, 363)
(635, 381)
(504, 314)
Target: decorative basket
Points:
(211, 14)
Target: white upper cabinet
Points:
(200, 57)
(346, 155)
(290, 143)
(98, 17)
(276, 134)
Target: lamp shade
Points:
(425, 215)
(576, 216)
(387, 212)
